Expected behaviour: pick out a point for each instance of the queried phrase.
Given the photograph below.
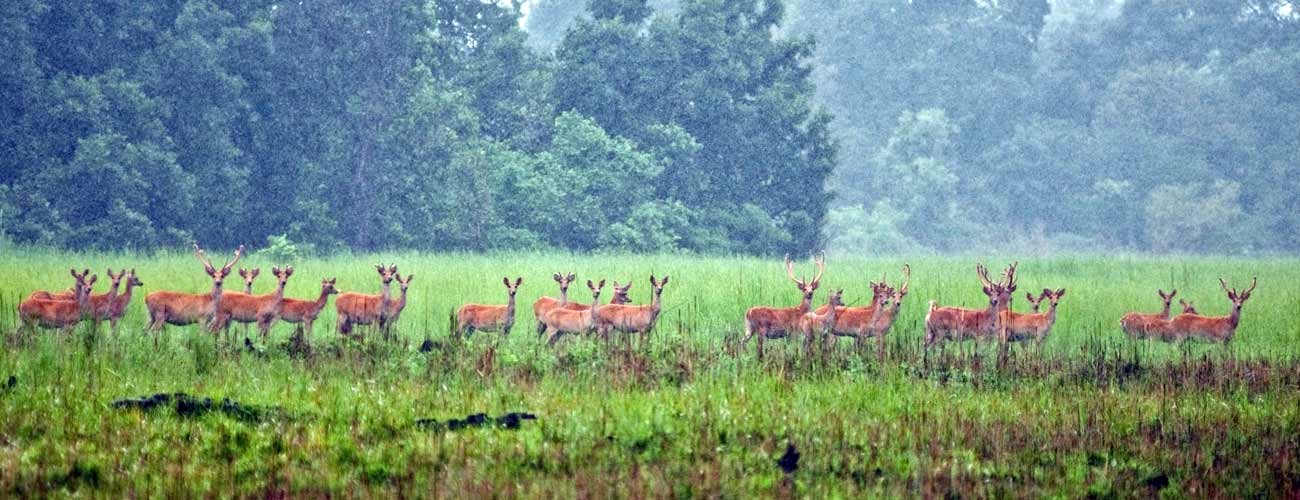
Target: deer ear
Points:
(505, 281)
(557, 277)
(519, 281)
(1060, 292)
(275, 271)
(591, 285)
(288, 271)
(663, 281)
(409, 277)
(92, 279)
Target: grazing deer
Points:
(813, 324)
(1140, 325)
(471, 317)
(1035, 325)
(395, 307)
(959, 323)
(777, 322)
(632, 319)
(1213, 328)
(544, 305)
(304, 312)
(362, 309)
(56, 313)
(260, 309)
(176, 308)
(248, 276)
(1188, 307)
(561, 321)
(118, 308)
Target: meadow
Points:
(694, 413)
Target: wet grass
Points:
(1090, 413)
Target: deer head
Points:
(403, 283)
(512, 289)
(1188, 307)
(1238, 299)
(658, 286)
(595, 291)
(1053, 298)
(806, 287)
(249, 275)
(564, 281)
(132, 280)
(327, 286)
(386, 274)
(218, 275)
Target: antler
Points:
(789, 271)
(1011, 276)
(239, 253)
(1253, 282)
(983, 274)
(207, 265)
(821, 268)
(1224, 284)
(907, 277)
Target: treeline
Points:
(403, 124)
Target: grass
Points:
(693, 414)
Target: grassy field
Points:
(692, 414)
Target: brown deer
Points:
(260, 309)
(362, 309)
(248, 275)
(778, 322)
(1213, 328)
(118, 308)
(57, 313)
(176, 308)
(304, 312)
(888, 315)
(632, 319)
(857, 322)
(544, 305)
(395, 307)
(1036, 326)
(101, 303)
(471, 317)
(1188, 307)
(561, 321)
(1140, 325)
(812, 324)
(959, 323)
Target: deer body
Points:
(56, 313)
(1035, 325)
(778, 322)
(118, 307)
(304, 312)
(1213, 328)
(176, 308)
(363, 309)
(395, 307)
(632, 319)
(959, 323)
(489, 318)
(260, 309)
(813, 324)
(561, 321)
(1140, 325)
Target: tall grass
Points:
(694, 414)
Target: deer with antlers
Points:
(544, 305)
(778, 322)
(959, 323)
(812, 324)
(304, 312)
(1140, 325)
(118, 307)
(561, 321)
(176, 308)
(632, 319)
(363, 309)
(60, 313)
(1033, 325)
(260, 309)
(472, 317)
(1213, 328)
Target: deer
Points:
(57, 313)
(959, 323)
(395, 307)
(632, 319)
(304, 312)
(561, 320)
(472, 317)
(180, 309)
(544, 305)
(777, 322)
(1035, 301)
(101, 303)
(1213, 328)
(812, 324)
(362, 309)
(260, 309)
(118, 307)
(888, 315)
(857, 322)
(1188, 307)
(1034, 325)
(1139, 325)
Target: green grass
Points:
(694, 414)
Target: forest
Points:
(704, 126)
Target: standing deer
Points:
(118, 308)
(1140, 325)
(813, 324)
(304, 312)
(1213, 328)
(1035, 325)
(471, 317)
(544, 305)
(362, 309)
(888, 314)
(57, 313)
(395, 307)
(176, 308)
(632, 319)
(857, 322)
(777, 322)
(959, 323)
(561, 321)
(260, 309)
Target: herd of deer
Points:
(216, 310)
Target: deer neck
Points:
(831, 311)
(1234, 318)
(564, 297)
(510, 308)
(320, 301)
(216, 298)
(386, 296)
(126, 294)
(1164, 314)
(112, 291)
(248, 288)
(1051, 316)
(279, 293)
(595, 304)
(806, 305)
